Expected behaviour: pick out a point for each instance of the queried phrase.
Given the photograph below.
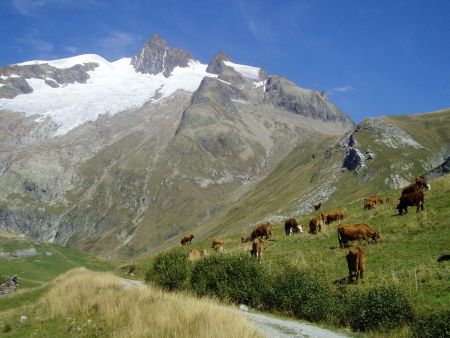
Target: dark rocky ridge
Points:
(283, 93)
(16, 84)
(216, 65)
(156, 57)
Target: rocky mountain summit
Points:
(157, 57)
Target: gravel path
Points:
(273, 327)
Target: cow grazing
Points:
(356, 261)
(258, 246)
(315, 225)
(317, 206)
(371, 201)
(409, 200)
(262, 230)
(217, 244)
(291, 226)
(332, 216)
(195, 254)
(352, 232)
(187, 240)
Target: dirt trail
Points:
(273, 327)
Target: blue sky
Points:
(371, 57)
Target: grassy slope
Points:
(35, 272)
(410, 245)
(105, 307)
(300, 175)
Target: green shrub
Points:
(436, 325)
(237, 278)
(382, 308)
(301, 293)
(170, 270)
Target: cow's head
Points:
(299, 228)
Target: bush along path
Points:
(303, 294)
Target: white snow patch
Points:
(3, 77)
(247, 71)
(228, 83)
(259, 84)
(240, 101)
(68, 62)
(112, 88)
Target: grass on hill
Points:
(83, 303)
(35, 272)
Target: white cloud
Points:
(30, 7)
(343, 89)
(71, 49)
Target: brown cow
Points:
(291, 226)
(217, 244)
(315, 224)
(258, 246)
(187, 240)
(317, 206)
(262, 230)
(195, 254)
(411, 199)
(217, 241)
(352, 232)
(356, 261)
(371, 201)
(332, 216)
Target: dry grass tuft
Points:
(127, 311)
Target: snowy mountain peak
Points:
(157, 57)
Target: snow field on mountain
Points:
(247, 71)
(112, 88)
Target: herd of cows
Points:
(412, 195)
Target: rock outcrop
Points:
(157, 57)
(15, 76)
(314, 104)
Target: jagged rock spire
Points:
(156, 56)
(215, 66)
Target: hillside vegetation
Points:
(405, 260)
(36, 264)
(83, 303)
